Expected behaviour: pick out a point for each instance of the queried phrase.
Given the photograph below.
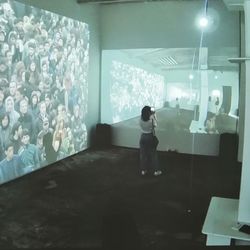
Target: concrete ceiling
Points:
(181, 58)
(123, 1)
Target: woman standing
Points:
(148, 153)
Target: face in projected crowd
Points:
(55, 52)
(57, 36)
(12, 39)
(60, 42)
(5, 48)
(26, 19)
(20, 131)
(12, 88)
(32, 66)
(44, 67)
(9, 153)
(18, 95)
(7, 10)
(3, 67)
(1, 96)
(41, 50)
(34, 99)
(47, 47)
(5, 121)
(9, 56)
(42, 108)
(41, 86)
(23, 106)
(44, 33)
(25, 139)
(60, 111)
(47, 101)
(9, 105)
(19, 25)
(58, 83)
(31, 51)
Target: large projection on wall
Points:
(127, 86)
(187, 93)
(44, 61)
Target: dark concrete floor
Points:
(98, 197)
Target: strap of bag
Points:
(153, 128)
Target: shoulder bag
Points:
(155, 140)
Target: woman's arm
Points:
(154, 120)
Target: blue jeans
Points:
(148, 153)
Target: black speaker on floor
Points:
(228, 148)
(103, 135)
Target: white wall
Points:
(89, 14)
(165, 24)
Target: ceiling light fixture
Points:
(191, 76)
(203, 22)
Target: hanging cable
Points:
(189, 210)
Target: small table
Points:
(221, 217)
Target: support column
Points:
(203, 97)
(244, 201)
(203, 59)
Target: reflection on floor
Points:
(98, 196)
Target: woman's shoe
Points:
(143, 172)
(157, 173)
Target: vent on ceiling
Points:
(167, 60)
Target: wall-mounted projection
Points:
(44, 61)
(126, 86)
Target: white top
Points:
(147, 126)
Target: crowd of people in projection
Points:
(43, 88)
(132, 87)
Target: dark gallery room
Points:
(122, 124)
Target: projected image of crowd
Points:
(131, 88)
(43, 88)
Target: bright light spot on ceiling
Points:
(203, 22)
(191, 76)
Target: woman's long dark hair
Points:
(145, 113)
(2, 117)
